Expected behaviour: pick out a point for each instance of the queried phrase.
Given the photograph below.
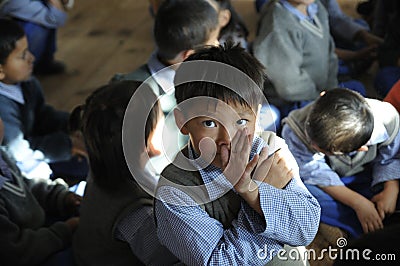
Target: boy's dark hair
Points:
(101, 122)
(248, 83)
(183, 25)
(10, 33)
(340, 121)
(235, 20)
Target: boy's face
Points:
(212, 128)
(18, 65)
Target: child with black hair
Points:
(222, 201)
(233, 28)
(120, 123)
(348, 150)
(180, 26)
(40, 21)
(35, 133)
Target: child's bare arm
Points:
(364, 208)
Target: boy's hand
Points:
(368, 216)
(274, 170)
(72, 202)
(238, 168)
(386, 200)
(248, 189)
(234, 162)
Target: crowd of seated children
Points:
(40, 21)
(36, 134)
(232, 197)
(231, 213)
(347, 147)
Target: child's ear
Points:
(152, 151)
(180, 121)
(224, 17)
(187, 53)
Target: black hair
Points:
(10, 32)
(101, 122)
(236, 23)
(340, 121)
(183, 25)
(247, 85)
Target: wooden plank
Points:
(100, 39)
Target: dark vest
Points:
(345, 165)
(94, 243)
(224, 209)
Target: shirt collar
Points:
(163, 75)
(312, 11)
(213, 177)
(3, 180)
(379, 134)
(13, 92)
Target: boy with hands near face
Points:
(211, 208)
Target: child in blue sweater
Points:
(36, 134)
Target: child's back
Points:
(117, 225)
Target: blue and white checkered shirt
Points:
(315, 169)
(291, 216)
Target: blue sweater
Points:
(40, 124)
(24, 204)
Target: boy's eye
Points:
(242, 122)
(209, 123)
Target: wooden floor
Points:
(101, 38)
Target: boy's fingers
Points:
(242, 142)
(262, 169)
(263, 154)
(252, 164)
(235, 141)
(224, 154)
(381, 213)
